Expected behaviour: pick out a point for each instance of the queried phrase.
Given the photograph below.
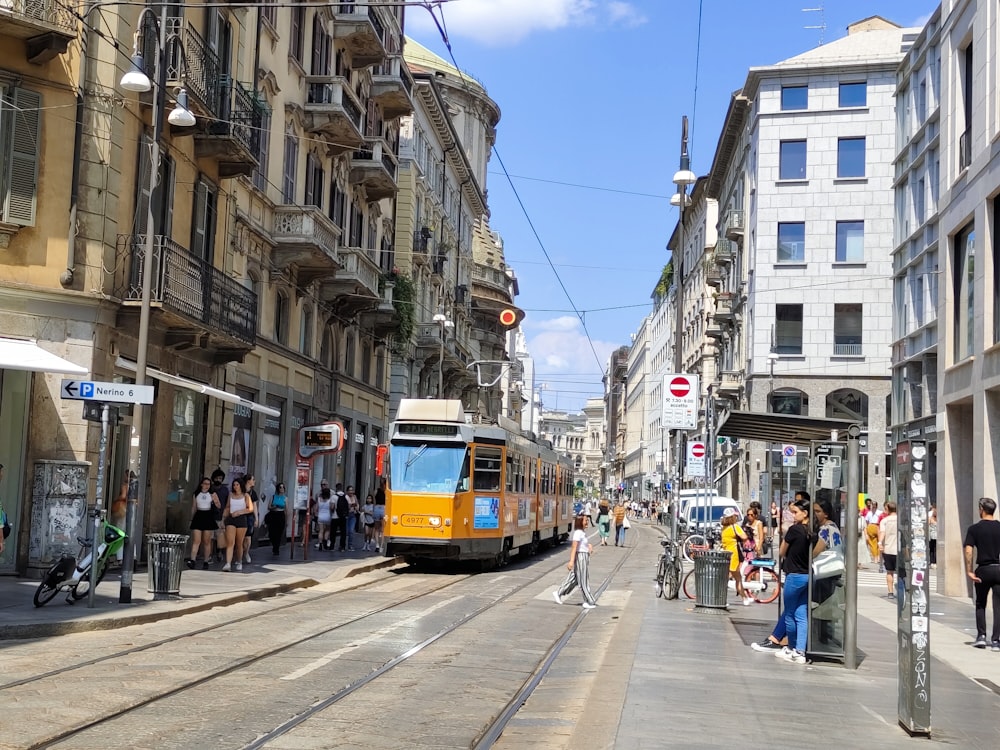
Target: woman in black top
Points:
(796, 550)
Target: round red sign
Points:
(698, 450)
(680, 387)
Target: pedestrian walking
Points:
(221, 490)
(888, 544)
(275, 519)
(620, 517)
(732, 539)
(579, 560)
(368, 519)
(250, 487)
(984, 537)
(325, 508)
(604, 520)
(204, 504)
(379, 513)
(353, 521)
(932, 533)
(342, 509)
(796, 552)
(872, 519)
(234, 516)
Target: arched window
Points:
(306, 331)
(789, 401)
(281, 317)
(327, 350)
(847, 403)
(349, 353)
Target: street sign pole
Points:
(97, 539)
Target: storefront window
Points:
(13, 416)
(240, 440)
(186, 456)
(271, 453)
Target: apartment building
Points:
(636, 438)
(804, 178)
(966, 374)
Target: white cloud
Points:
(560, 347)
(501, 23)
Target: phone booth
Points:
(827, 519)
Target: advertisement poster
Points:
(487, 513)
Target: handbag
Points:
(828, 564)
(625, 523)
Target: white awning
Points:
(26, 354)
(194, 385)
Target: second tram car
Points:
(464, 491)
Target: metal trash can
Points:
(166, 561)
(711, 579)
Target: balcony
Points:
(374, 168)
(965, 150)
(383, 320)
(200, 72)
(725, 252)
(197, 304)
(360, 28)
(724, 308)
(730, 384)
(713, 274)
(306, 239)
(714, 330)
(392, 89)
(47, 26)
(356, 284)
(847, 350)
(492, 285)
(734, 224)
(234, 139)
(332, 110)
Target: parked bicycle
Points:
(669, 570)
(759, 580)
(695, 543)
(72, 574)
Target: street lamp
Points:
(442, 320)
(683, 177)
(137, 80)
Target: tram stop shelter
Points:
(833, 592)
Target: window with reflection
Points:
(847, 403)
(789, 401)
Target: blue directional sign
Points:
(125, 393)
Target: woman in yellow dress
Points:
(733, 537)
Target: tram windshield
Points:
(424, 467)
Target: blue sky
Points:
(592, 94)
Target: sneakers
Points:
(204, 565)
(781, 652)
(238, 566)
(189, 562)
(995, 646)
(766, 645)
(555, 595)
(317, 545)
(246, 558)
(790, 654)
(980, 642)
(747, 601)
(225, 568)
(588, 606)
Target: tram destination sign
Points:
(122, 393)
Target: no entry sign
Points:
(696, 458)
(680, 401)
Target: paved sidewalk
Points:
(199, 590)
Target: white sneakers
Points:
(790, 654)
(225, 568)
(238, 566)
(555, 595)
(747, 601)
(588, 606)
(246, 558)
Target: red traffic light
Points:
(508, 317)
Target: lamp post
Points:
(772, 357)
(682, 179)
(442, 320)
(137, 80)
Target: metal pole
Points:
(851, 548)
(133, 515)
(678, 260)
(441, 366)
(97, 540)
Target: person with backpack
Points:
(604, 520)
(342, 507)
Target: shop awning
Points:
(780, 428)
(194, 385)
(26, 354)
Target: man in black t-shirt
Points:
(984, 537)
(339, 525)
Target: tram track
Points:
(66, 736)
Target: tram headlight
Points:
(434, 521)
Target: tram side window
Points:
(487, 473)
(510, 472)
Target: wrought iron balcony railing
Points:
(188, 286)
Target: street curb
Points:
(190, 607)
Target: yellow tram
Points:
(464, 491)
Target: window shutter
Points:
(21, 200)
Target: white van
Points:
(695, 511)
